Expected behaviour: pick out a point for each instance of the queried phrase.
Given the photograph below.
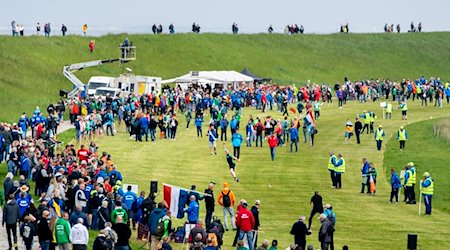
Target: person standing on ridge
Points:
(402, 137)
(379, 136)
(339, 169)
(427, 185)
(226, 200)
(331, 163)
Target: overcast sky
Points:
(252, 16)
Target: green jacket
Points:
(62, 231)
(119, 211)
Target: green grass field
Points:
(363, 222)
(32, 66)
(31, 74)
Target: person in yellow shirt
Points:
(379, 136)
(348, 131)
(402, 137)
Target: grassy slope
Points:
(429, 154)
(364, 222)
(31, 67)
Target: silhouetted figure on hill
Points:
(235, 28)
(160, 29)
(195, 28)
(171, 29)
(270, 29)
(154, 29)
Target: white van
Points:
(96, 82)
(102, 92)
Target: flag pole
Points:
(205, 194)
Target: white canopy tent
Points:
(216, 79)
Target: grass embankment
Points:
(428, 149)
(364, 222)
(31, 67)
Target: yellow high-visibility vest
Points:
(428, 190)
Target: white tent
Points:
(213, 78)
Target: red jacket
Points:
(245, 220)
(273, 141)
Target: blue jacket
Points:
(294, 133)
(426, 182)
(144, 122)
(212, 135)
(365, 168)
(24, 163)
(223, 123)
(192, 211)
(23, 203)
(198, 121)
(102, 174)
(129, 198)
(395, 181)
(118, 175)
(233, 123)
(236, 139)
(328, 212)
(156, 214)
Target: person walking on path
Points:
(226, 199)
(212, 137)
(331, 163)
(366, 117)
(358, 128)
(402, 137)
(365, 176)
(348, 131)
(231, 163)
(300, 231)
(316, 201)
(10, 219)
(236, 140)
(62, 232)
(325, 233)
(44, 232)
(372, 179)
(339, 169)
(395, 185)
(379, 137)
(123, 232)
(79, 235)
(404, 107)
(273, 143)
(427, 186)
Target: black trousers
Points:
(313, 212)
(11, 228)
(357, 133)
(338, 178)
(366, 126)
(209, 212)
(402, 144)
(332, 177)
(237, 152)
(394, 193)
(379, 143)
